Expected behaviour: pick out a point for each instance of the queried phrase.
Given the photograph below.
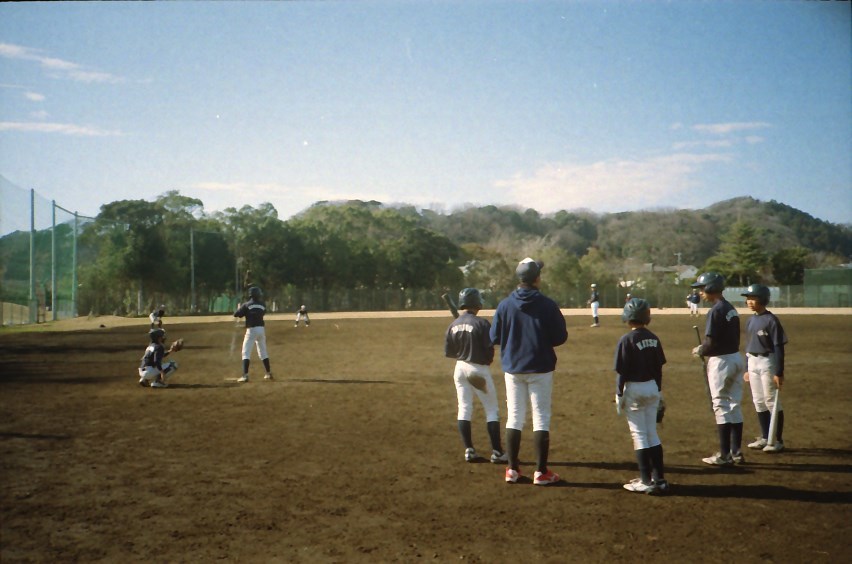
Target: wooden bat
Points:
(451, 305)
(773, 423)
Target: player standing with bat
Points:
(468, 341)
(253, 311)
(765, 340)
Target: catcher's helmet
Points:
(758, 291)
(636, 309)
(712, 282)
(470, 298)
(255, 292)
(156, 334)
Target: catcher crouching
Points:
(152, 371)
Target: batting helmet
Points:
(156, 334)
(712, 282)
(638, 310)
(255, 292)
(758, 291)
(470, 298)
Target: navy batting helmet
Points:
(758, 291)
(470, 298)
(712, 282)
(528, 270)
(255, 292)
(638, 310)
(156, 334)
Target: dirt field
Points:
(352, 454)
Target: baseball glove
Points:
(176, 345)
(661, 410)
(477, 381)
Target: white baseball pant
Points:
(725, 376)
(151, 373)
(465, 391)
(640, 403)
(255, 336)
(538, 388)
(761, 372)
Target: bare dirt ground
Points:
(352, 453)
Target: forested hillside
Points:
(359, 254)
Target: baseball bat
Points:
(773, 423)
(451, 305)
(704, 371)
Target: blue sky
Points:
(608, 106)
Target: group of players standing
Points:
(528, 325)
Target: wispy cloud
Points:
(55, 66)
(619, 184)
(34, 96)
(60, 128)
(40, 114)
(726, 128)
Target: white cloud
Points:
(725, 128)
(614, 184)
(57, 67)
(34, 96)
(61, 128)
(41, 114)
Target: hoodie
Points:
(527, 326)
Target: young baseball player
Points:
(253, 311)
(469, 342)
(156, 317)
(528, 326)
(152, 371)
(692, 300)
(303, 312)
(595, 302)
(639, 361)
(725, 366)
(765, 340)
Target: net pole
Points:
(53, 261)
(74, 269)
(192, 267)
(33, 304)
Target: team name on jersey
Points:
(731, 314)
(644, 343)
(466, 327)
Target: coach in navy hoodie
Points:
(527, 326)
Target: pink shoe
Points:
(545, 478)
(512, 476)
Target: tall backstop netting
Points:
(38, 254)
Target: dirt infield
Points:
(352, 454)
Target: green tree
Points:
(741, 258)
(788, 265)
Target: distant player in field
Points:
(303, 312)
(595, 302)
(253, 311)
(157, 316)
(692, 301)
(765, 340)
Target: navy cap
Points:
(528, 270)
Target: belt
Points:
(764, 355)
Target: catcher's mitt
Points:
(176, 346)
(477, 381)
(661, 410)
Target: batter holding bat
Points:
(468, 341)
(765, 340)
(725, 366)
(253, 311)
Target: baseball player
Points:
(639, 361)
(152, 371)
(725, 368)
(595, 302)
(765, 340)
(528, 325)
(303, 312)
(253, 311)
(692, 300)
(469, 342)
(156, 317)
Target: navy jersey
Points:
(153, 356)
(253, 311)
(595, 297)
(765, 335)
(722, 332)
(468, 338)
(693, 298)
(639, 357)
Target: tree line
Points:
(366, 255)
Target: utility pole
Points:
(678, 255)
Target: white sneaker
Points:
(158, 384)
(268, 377)
(498, 457)
(243, 378)
(718, 460)
(512, 476)
(638, 486)
(777, 447)
(758, 444)
(469, 455)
